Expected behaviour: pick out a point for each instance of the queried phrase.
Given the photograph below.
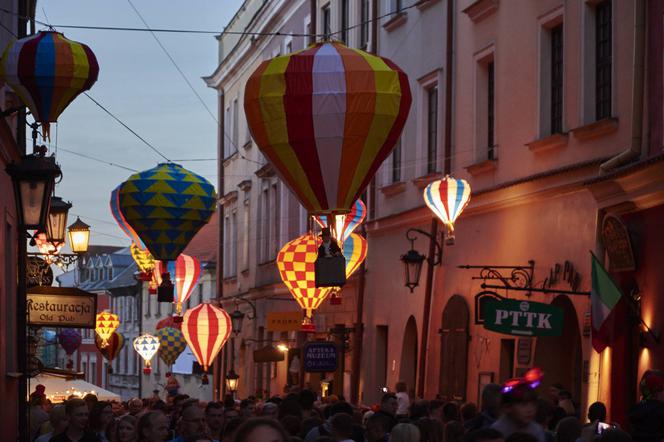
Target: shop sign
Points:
(522, 318)
(320, 357)
(61, 307)
(284, 321)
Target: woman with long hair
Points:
(125, 430)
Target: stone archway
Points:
(560, 357)
(408, 365)
(454, 349)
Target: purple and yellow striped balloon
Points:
(326, 118)
(47, 71)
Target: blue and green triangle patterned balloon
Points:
(166, 206)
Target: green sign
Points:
(522, 318)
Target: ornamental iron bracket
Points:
(437, 257)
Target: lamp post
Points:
(232, 379)
(56, 227)
(79, 236)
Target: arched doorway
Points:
(408, 366)
(560, 357)
(454, 349)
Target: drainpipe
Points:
(447, 161)
(219, 370)
(428, 296)
(638, 70)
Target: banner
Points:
(61, 307)
(283, 321)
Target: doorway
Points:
(560, 357)
(408, 366)
(454, 349)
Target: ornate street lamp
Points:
(236, 321)
(232, 379)
(56, 227)
(79, 236)
(34, 178)
(413, 265)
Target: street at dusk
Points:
(332, 220)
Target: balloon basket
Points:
(205, 380)
(145, 276)
(308, 326)
(168, 374)
(335, 299)
(70, 365)
(177, 319)
(152, 290)
(147, 370)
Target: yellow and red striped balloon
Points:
(296, 263)
(206, 329)
(326, 118)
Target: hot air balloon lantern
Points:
(70, 339)
(326, 118)
(146, 346)
(139, 251)
(46, 247)
(447, 198)
(355, 252)
(48, 71)
(187, 272)
(110, 351)
(296, 263)
(106, 324)
(171, 345)
(206, 329)
(166, 206)
(344, 225)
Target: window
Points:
(396, 162)
(263, 228)
(432, 129)
(344, 21)
(308, 38)
(396, 5)
(325, 21)
(245, 233)
(603, 49)
(110, 273)
(490, 121)
(84, 369)
(228, 148)
(557, 79)
(235, 130)
(364, 24)
(275, 224)
(200, 294)
(93, 372)
(10, 297)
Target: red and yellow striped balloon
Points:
(206, 329)
(296, 263)
(326, 118)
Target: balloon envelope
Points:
(326, 118)
(47, 71)
(355, 252)
(185, 273)
(69, 339)
(206, 329)
(166, 206)
(447, 198)
(345, 224)
(115, 344)
(171, 344)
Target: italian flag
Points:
(604, 296)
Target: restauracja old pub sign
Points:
(61, 307)
(522, 318)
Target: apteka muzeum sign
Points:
(522, 318)
(61, 307)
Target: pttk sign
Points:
(522, 318)
(320, 357)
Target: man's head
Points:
(491, 399)
(484, 435)
(192, 419)
(436, 409)
(247, 408)
(90, 399)
(325, 234)
(378, 426)
(389, 404)
(450, 412)
(554, 392)
(520, 404)
(342, 426)
(58, 419)
(153, 427)
(307, 399)
(77, 414)
(597, 412)
(135, 406)
(214, 416)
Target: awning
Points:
(59, 388)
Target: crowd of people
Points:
(509, 413)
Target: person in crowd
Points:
(596, 413)
(451, 412)
(388, 407)
(468, 412)
(125, 430)
(101, 417)
(554, 393)
(231, 426)
(403, 400)
(431, 430)
(490, 409)
(292, 425)
(566, 403)
(37, 415)
(325, 428)
(647, 417)
(270, 410)
(614, 435)
(308, 424)
(543, 417)
(521, 437)
(90, 399)
(152, 427)
(405, 433)
(568, 430)
(290, 407)
(484, 435)
(77, 414)
(247, 408)
(214, 418)
(260, 430)
(135, 406)
(519, 408)
(454, 431)
(436, 409)
(377, 428)
(341, 426)
(418, 409)
(58, 422)
(191, 422)
(307, 400)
